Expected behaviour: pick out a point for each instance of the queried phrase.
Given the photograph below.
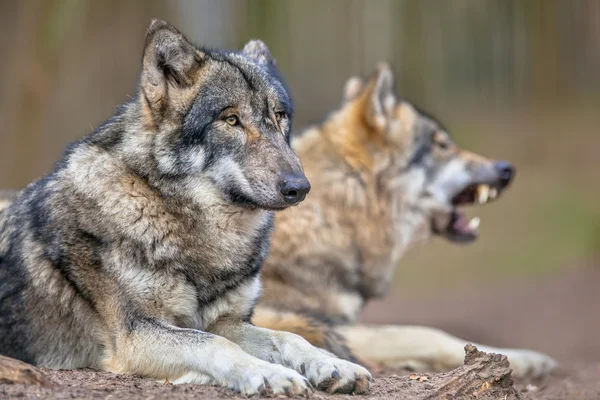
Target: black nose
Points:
(505, 171)
(294, 188)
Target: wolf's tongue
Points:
(462, 226)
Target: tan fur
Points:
(471, 157)
(290, 322)
(342, 159)
(372, 198)
(351, 146)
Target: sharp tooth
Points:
(474, 223)
(493, 193)
(483, 192)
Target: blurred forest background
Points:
(511, 79)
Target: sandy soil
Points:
(557, 315)
(579, 382)
(89, 384)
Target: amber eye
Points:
(280, 115)
(232, 120)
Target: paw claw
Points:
(310, 386)
(262, 390)
(362, 386)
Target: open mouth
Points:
(459, 228)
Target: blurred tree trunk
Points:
(68, 63)
(68, 59)
(542, 18)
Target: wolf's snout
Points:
(294, 188)
(505, 171)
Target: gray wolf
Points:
(385, 175)
(140, 252)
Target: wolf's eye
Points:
(441, 140)
(443, 145)
(232, 120)
(280, 115)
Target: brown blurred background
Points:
(512, 79)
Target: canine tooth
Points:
(493, 193)
(474, 223)
(483, 192)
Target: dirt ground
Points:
(557, 315)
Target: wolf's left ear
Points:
(379, 97)
(169, 59)
(258, 51)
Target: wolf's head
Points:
(410, 153)
(221, 116)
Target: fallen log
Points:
(483, 376)
(15, 371)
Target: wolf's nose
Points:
(294, 188)
(505, 172)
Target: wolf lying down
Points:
(140, 252)
(384, 175)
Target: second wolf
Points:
(384, 175)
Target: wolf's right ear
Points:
(378, 96)
(352, 88)
(169, 59)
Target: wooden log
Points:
(482, 377)
(14, 371)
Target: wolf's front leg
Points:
(427, 349)
(324, 370)
(155, 349)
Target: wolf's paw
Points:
(265, 379)
(333, 375)
(529, 363)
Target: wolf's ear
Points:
(169, 59)
(258, 50)
(379, 97)
(352, 88)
